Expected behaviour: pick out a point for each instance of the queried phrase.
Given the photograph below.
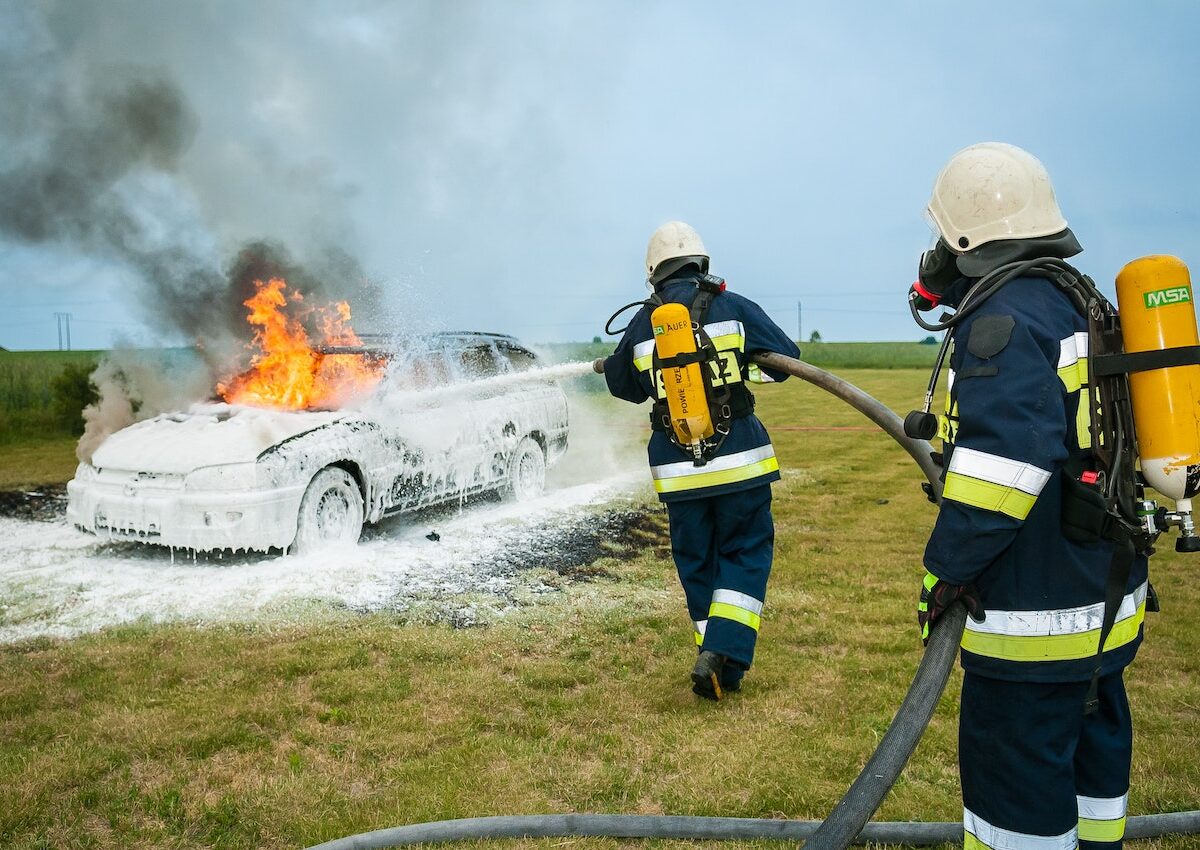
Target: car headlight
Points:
(85, 472)
(226, 476)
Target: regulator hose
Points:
(848, 822)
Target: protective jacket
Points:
(738, 327)
(1014, 428)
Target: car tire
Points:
(331, 511)
(526, 472)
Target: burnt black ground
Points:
(572, 549)
(45, 504)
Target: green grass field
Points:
(280, 737)
(30, 405)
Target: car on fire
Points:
(221, 476)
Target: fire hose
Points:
(848, 822)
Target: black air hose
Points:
(848, 822)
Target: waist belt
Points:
(741, 404)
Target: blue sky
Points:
(499, 166)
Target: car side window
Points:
(480, 361)
(519, 360)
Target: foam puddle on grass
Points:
(58, 582)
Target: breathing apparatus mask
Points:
(943, 275)
(937, 271)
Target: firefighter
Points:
(719, 506)
(1044, 739)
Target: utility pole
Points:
(64, 330)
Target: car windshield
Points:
(441, 361)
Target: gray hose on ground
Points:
(631, 826)
(694, 828)
(848, 822)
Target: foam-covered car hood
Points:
(205, 435)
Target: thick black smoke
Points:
(90, 161)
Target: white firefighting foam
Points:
(58, 582)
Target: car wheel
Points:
(526, 471)
(331, 511)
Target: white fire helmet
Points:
(993, 191)
(672, 241)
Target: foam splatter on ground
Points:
(461, 565)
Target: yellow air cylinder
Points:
(1154, 297)
(683, 386)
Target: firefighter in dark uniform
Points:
(1038, 770)
(722, 533)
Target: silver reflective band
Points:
(998, 470)
(717, 464)
(700, 625)
(738, 600)
(1103, 808)
(643, 349)
(1072, 349)
(1060, 621)
(731, 327)
(996, 838)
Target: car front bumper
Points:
(205, 520)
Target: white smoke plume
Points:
(134, 385)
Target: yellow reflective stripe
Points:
(643, 364)
(1052, 647)
(757, 376)
(699, 638)
(948, 422)
(733, 612)
(970, 842)
(988, 496)
(716, 478)
(1083, 420)
(1072, 361)
(1101, 830)
(1074, 375)
(729, 342)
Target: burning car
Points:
(255, 473)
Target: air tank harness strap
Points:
(1114, 592)
(1143, 361)
(741, 404)
(709, 287)
(700, 355)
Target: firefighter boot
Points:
(706, 675)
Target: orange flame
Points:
(286, 372)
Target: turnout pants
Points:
(723, 547)
(1036, 771)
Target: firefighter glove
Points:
(937, 596)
